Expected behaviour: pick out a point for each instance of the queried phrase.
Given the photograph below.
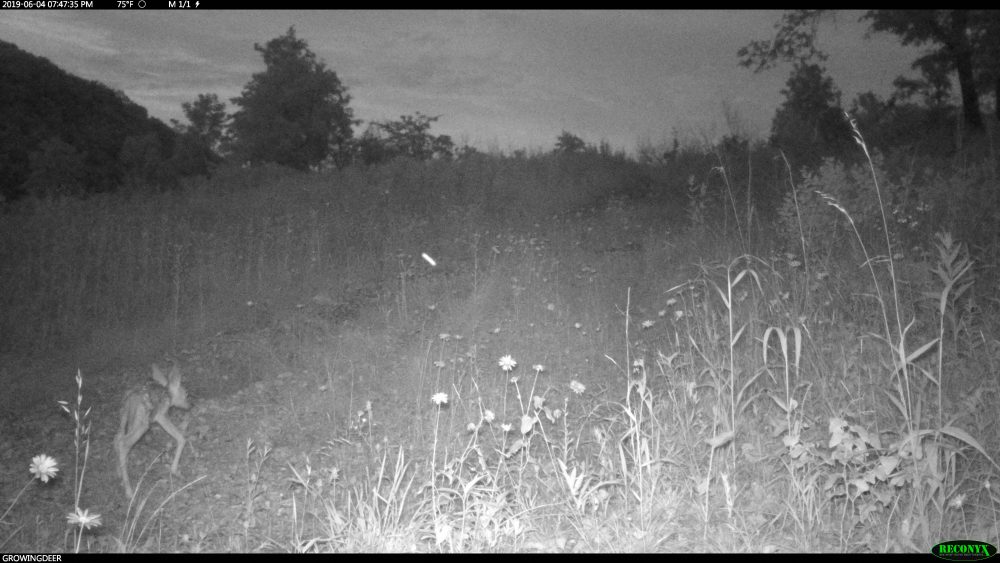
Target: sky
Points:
(497, 79)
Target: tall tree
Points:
(199, 143)
(408, 136)
(294, 113)
(567, 142)
(956, 38)
(810, 123)
(206, 120)
(987, 53)
(794, 41)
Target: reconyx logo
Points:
(964, 550)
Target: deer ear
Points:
(157, 375)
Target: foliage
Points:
(794, 41)
(810, 124)
(656, 422)
(295, 113)
(852, 439)
(201, 138)
(39, 102)
(961, 198)
(730, 169)
(961, 40)
(408, 136)
(192, 157)
(965, 43)
(142, 161)
(206, 120)
(118, 252)
(569, 143)
(821, 225)
(897, 125)
(57, 169)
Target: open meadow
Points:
(549, 353)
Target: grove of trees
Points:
(964, 44)
(60, 135)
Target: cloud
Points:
(501, 75)
(59, 29)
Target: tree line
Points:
(296, 113)
(960, 44)
(61, 135)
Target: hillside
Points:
(40, 102)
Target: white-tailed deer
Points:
(145, 403)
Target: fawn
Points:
(145, 403)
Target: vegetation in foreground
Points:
(722, 347)
(626, 375)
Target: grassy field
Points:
(537, 353)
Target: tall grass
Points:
(188, 262)
(675, 391)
